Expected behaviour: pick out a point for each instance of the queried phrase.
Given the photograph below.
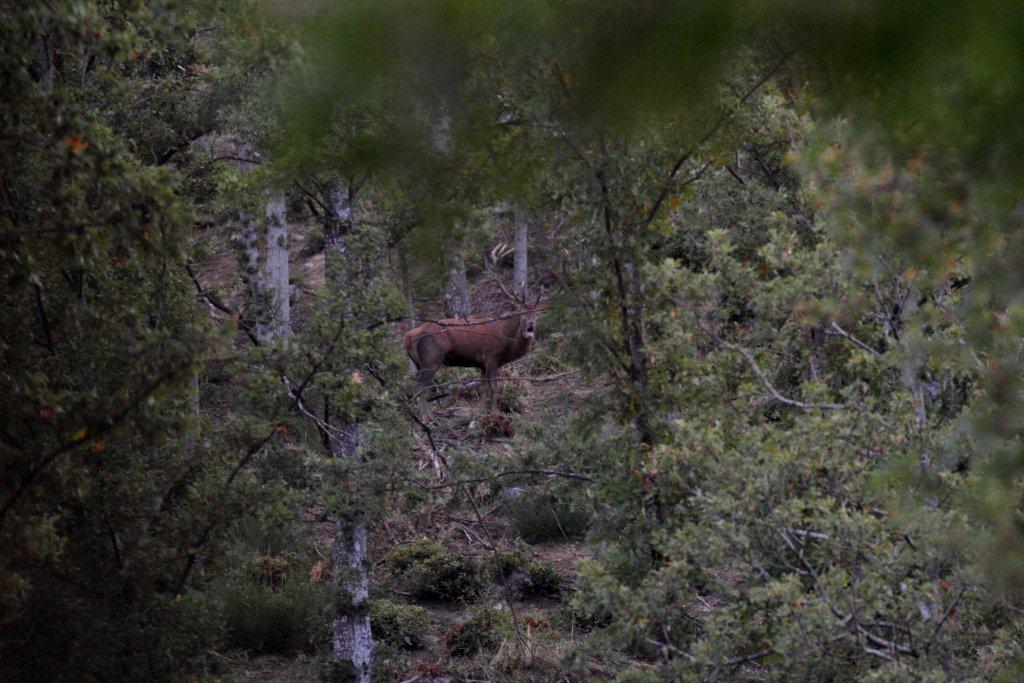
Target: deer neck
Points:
(520, 344)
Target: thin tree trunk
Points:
(257, 307)
(351, 637)
(520, 263)
(266, 279)
(410, 305)
(46, 67)
(456, 289)
(278, 289)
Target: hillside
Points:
(743, 281)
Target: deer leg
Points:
(424, 378)
(490, 380)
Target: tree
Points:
(351, 637)
(456, 288)
(738, 352)
(520, 264)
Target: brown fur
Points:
(485, 343)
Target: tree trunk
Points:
(520, 264)
(337, 225)
(407, 294)
(266, 279)
(252, 274)
(278, 289)
(46, 67)
(456, 289)
(351, 638)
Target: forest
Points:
(548, 340)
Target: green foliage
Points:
(511, 397)
(532, 578)
(398, 624)
(544, 518)
(431, 572)
(484, 631)
(273, 619)
(786, 243)
(503, 562)
(542, 581)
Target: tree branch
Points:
(771, 389)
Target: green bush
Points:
(482, 632)
(398, 624)
(314, 243)
(503, 563)
(574, 617)
(534, 579)
(511, 396)
(263, 619)
(543, 519)
(543, 581)
(433, 573)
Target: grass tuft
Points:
(543, 519)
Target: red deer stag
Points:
(482, 342)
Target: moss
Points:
(398, 624)
(432, 573)
(482, 632)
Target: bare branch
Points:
(771, 389)
(836, 329)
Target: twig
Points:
(945, 617)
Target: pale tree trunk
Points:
(520, 263)
(257, 307)
(351, 638)
(278, 290)
(46, 67)
(266, 279)
(456, 288)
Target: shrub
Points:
(542, 581)
(497, 426)
(398, 624)
(314, 243)
(511, 394)
(264, 619)
(529, 578)
(503, 563)
(433, 573)
(574, 617)
(540, 519)
(482, 632)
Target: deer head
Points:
(527, 310)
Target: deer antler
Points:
(499, 252)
